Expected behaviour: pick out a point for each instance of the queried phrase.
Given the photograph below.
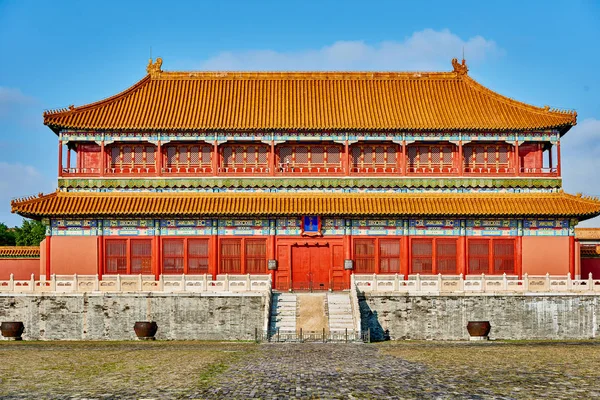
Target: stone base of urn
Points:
(479, 330)
(145, 330)
(12, 330)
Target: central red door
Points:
(310, 267)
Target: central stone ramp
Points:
(312, 313)
(340, 313)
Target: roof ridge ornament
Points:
(460, 69)
(154, 68)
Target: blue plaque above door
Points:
(311, 225)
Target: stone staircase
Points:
(339, 310)
(283, 313)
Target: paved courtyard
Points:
(205, 370)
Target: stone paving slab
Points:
(328, 371)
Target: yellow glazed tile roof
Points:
(308, 101)
(587, 233)
(19, 251)
(326, 204)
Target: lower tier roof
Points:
(66, 204)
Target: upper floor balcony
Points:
(198, 159)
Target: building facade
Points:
(309, 177)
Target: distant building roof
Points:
(19, 251)
(587, 233)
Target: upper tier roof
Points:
(308, 101)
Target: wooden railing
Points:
(139, 283)
(447, 284)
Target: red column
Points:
(48, 257)
(215, 159)
(156, 251)
(102, 159)
(404, 256)
(517, 159)
(214, 265)
(159, 159)
(272, 159)
(578, 260)
(462, 255)
(519, 257)
(461, 163)
(572, 256)
(404, 163)
(558, 172)
(100, 255)
(60, 158)
(345, 159)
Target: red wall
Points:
(543, 255)
(74, 255)
(21, 268)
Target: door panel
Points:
(339, 275)
(319, 267)
(300, 267)
(282, 275)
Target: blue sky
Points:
(53, 54)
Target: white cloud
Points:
(425, 50)
(18, 180)
(580, 153)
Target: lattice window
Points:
(231, 256)
(206, 155)
(487, 155)
(355, 153)
(150, 155)
(422, 256)
(115, 156)
(171, 156)
(391, 155)
(301, 155)
(285, 155)
(504, 256)
(379, 155)
(227, 156)
(251, 155)
(198, 256)
(173, 256)
(195, 155)
(248, 158)
(127, 156)
(364, 256)
(368, 156)
(263, 155)
(256, 256)
(479, 256)
(141, 256)
(389, 256)
(317, 156)
(138, 155)
(334, 156)
(374, 156)
(430, 156)
(238, 155)
(446, 256)
(116, 256)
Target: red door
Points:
(310, 267)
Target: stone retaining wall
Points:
(112, 316)
(512, 317)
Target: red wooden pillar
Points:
(404, 161)
(213, 266)
(519, 256)
(159, 159)
(461, 163)
(48, 257)
(517, 159)
(272, 159)
(156, 251)
(60, 158)
(404, 256)
(462, 255)
(572, 256)
(100, 255)
(346, 159)
(215, 158)
(558, 172)
(102, 159)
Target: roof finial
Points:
(461, 68)
(154, 68)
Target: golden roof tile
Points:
(183, 205)
(308, 101)
(587, 233)
(19, 251)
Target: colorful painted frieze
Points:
(74, 227)
(376, 227)
(129, 227)
(435, 227)
(186, 227)
(288, 226)
(243, 227)
(492, 227)
(332, 226)
(546, 227)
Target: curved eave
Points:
(264, 204)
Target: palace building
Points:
(309, 177)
